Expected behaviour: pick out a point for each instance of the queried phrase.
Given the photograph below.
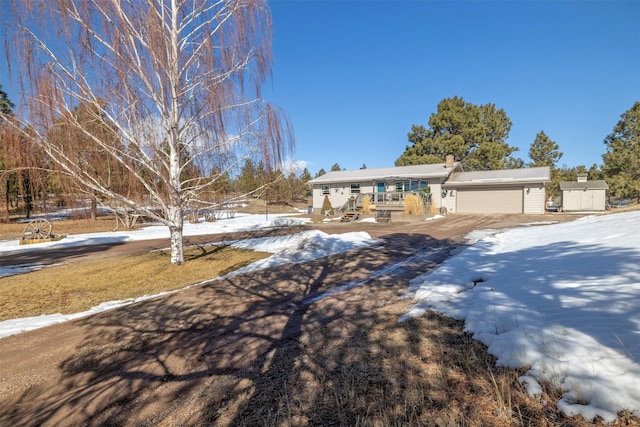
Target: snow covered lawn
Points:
(563, 300)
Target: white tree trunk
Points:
(175, 229)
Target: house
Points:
(520, 191)
(386, 187)
(584, 195)
(444, 185)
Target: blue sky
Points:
(355, 75)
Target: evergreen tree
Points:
(320, 173)
(544, 152)
(6, 106)
(304, 178)
(474, 134)
(336, 167)
(621, 166)
(513, 163)
(247, 180)
(595, 172)
(327, 209)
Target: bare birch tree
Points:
(178, 81)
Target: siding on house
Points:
(534, 199)
(448, 201)
(502, 191)
(339, 182)
(339, 194)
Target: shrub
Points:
(366, 205)
(326, 206)
(413, 205)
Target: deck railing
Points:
(388, 199)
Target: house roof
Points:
(587, 185)
(437, 170)
(499, 177)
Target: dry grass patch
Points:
(413, 205)
(78, 286)
(377, 372)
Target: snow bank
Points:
(563, 299)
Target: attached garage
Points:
(510, 191)
(490, 200)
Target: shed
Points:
(497, 191)
(584, 195)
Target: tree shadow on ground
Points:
(284, 346)
(53, 255)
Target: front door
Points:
(381, 190)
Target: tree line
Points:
(29, 177)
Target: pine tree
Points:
(543, 151)
(326, 206)
(621, 166)
(6, 106)
(474, 134)
(247, 181)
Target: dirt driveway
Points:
(317, 343)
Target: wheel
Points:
(37, 229)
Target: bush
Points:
(366, 205)
(326, 206)
(413, 205)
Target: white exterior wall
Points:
(534, 199)
(339, 194)
(599, 200)
(579, 199)
(449, 201)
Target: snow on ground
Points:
(301, 247)
(562, 299)
(241, 222)
(295, 248)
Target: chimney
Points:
(582, 177)
(449, 161)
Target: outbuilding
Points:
(584, 195)
(507, 191)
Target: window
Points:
(355, 188)
(399, 187)
(325, 189)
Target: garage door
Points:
(490, 200)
